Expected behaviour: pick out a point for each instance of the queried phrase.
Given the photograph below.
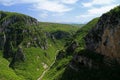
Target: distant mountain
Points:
(79, 25)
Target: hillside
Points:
(28, 47)
(106, 35)
(33, 50)
(92, 53)
(65, 56)
(79, 25)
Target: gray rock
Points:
(105, 37)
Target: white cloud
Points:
(101, 10)
(58, 14)
(13, 2)
(69, 1)
(44, 15)
(48, 5)
(52, 6)
(84, 16)
(59, 8)
(96, 8)
(7, 2)
(98, 2)
(95, 12)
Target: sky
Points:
(60, 11)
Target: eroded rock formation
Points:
(104, 38)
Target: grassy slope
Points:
(59, 67)
(60, 70)
(79, 25)
(32, 67)
(7, 73)
(51, 27)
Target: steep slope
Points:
(75, 44)
(104, 38)
(92, 54)
(30, 46)
(7, 73)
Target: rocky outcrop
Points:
(7, 20)
(13, 31)
(61, 54)
(86, 59)
(79, 61)
(71, 48)
(61, 35)
(19, 56)
(2, 40)
(104, 38)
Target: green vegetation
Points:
(81, 33)
(103, 68)
(29, 47)
(7, 73)
(58, 69)
(86, 28)
(115, 10)
(78, 25)
(33, 67)
(52, 27)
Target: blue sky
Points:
(60, 11)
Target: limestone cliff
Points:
(14, 28)
(104, 38)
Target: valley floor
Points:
(40, 78)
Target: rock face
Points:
(71, 48)
(61, 54)
(13, 26)
(60, 35)
(7, 20)
(13, 29)
(2, 40)
(104, 38)
(86, 59)
(19, 56)
(79, 61)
